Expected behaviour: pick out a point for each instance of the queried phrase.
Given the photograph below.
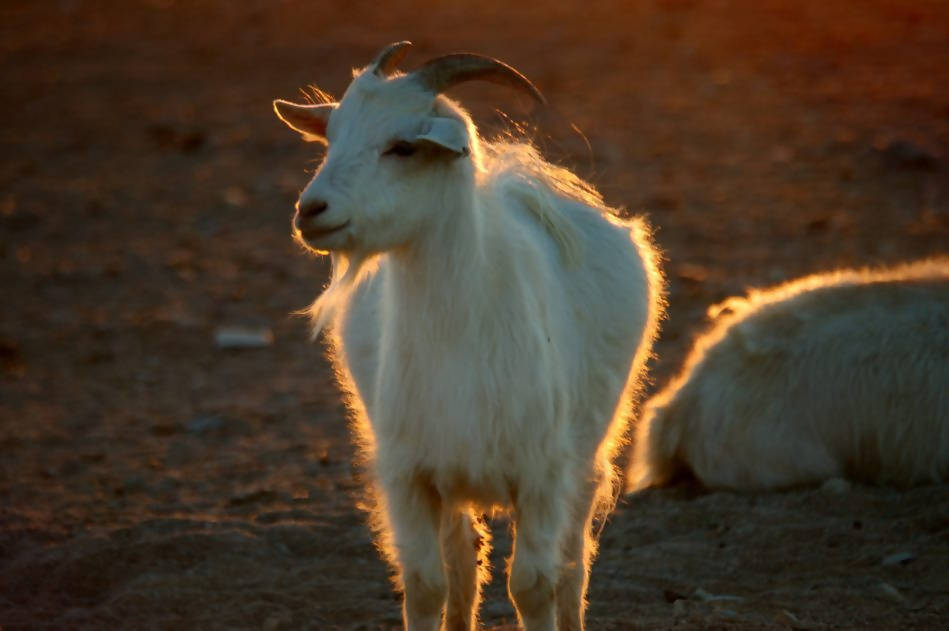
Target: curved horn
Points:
(441, 73)
(390, 56)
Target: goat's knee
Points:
(465, 547)
(425, 591)
(531, 585)
(578, 547)
(536, 562)
(570, 595)
(414, 510)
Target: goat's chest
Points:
(467, 405)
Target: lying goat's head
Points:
(393, 141)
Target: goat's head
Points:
(394, 144)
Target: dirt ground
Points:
(150, 479)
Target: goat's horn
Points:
(441, 73)
(389, 58)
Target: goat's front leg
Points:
(535, 564)
(465, 544)
(414, 511)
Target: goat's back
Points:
(842, 375)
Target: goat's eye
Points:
(400, 148)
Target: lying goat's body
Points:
(840, 375)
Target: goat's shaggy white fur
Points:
(843, 374)
(489, 319)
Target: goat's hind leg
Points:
(465, 545)
(578, 549)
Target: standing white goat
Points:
(843, 374)
(489, 320)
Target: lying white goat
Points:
(835, 375)
(489, 319)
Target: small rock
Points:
(891, 593)
(837, 486)
(729, 614)
(241, 337)
(205, 424)
(680, 608)
(899, 558)
(701, 594)
(671, 596)
(787, 619)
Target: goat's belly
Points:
(486, 490)
(480, 459)
(486, 478)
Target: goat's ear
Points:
(309, 120)
(448, 133)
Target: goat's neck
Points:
(440, 269)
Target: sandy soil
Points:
(151, 480)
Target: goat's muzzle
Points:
(312, 208)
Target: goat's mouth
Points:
(315, 234)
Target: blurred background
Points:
(173, 451)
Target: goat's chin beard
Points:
(299, 239)
(314, 246)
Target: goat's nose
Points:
(312, 208)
